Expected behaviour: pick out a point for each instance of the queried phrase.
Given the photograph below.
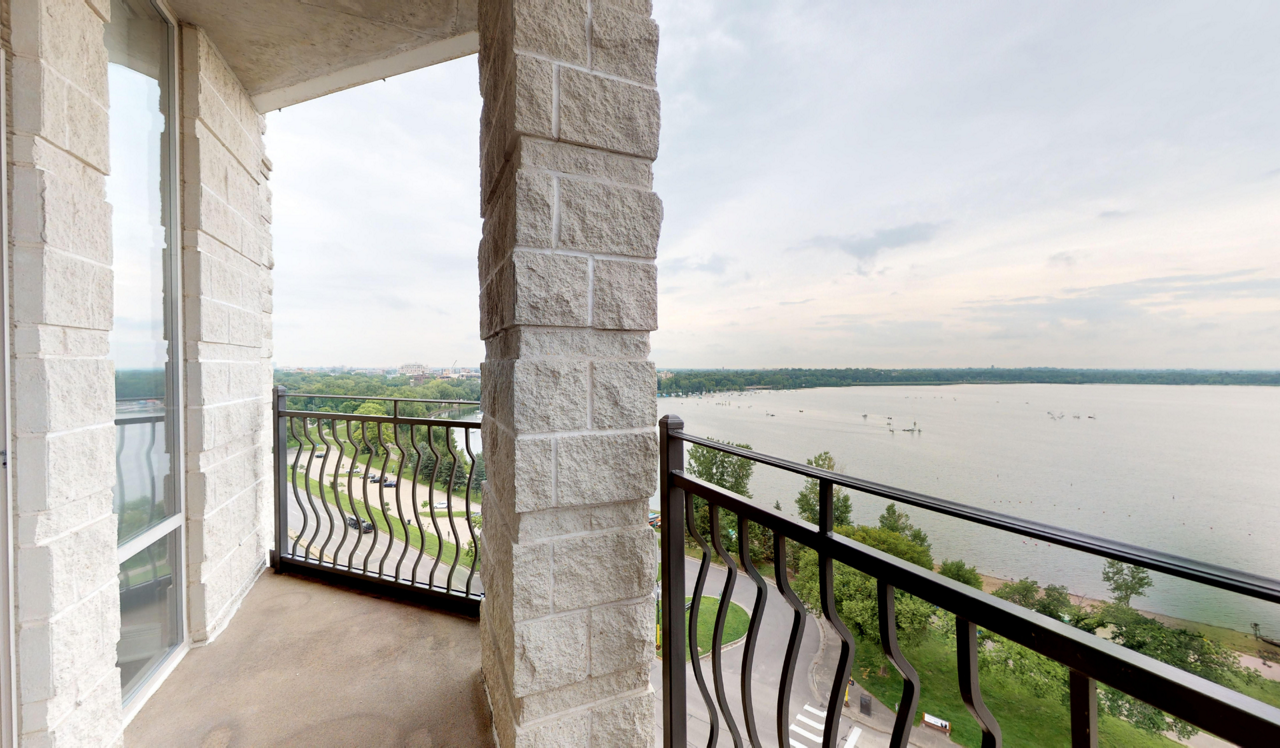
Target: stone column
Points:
(68, 599)
(568, 297)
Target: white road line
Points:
(798, 745)
(815, 711)
(853, 737)
(810, 722)
(808, 735)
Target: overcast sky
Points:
(850, 184)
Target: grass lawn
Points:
(385, 465)
(1024, 719)
(409, 535)
(735, 624)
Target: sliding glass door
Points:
(144, 339)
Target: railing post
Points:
(1084, 711)
(671, 524)
(281, 461)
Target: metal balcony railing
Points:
(385, 501)
(1090, 659)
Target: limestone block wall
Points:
(569, 131)
(68, 608)
(226, 257)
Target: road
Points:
(310, 519)
(806, 712)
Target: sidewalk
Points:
(877, 728)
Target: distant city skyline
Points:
(850, 185)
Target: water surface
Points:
(1190, 470)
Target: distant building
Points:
(412, 370)
(665, 374)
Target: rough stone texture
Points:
(551, 289)
(621, 394)
(568, 392)
(625, 44)
(626, 296)
(604, 468)
(607, 113)
(227, 308)
(67, 612)
(596, 217)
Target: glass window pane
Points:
(150, 611)
(139, 80)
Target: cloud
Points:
(794, 303)
(865, 248)
(715, 265)
(1106, 214)
(1063, 259)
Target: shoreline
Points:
(1240, 642)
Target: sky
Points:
(1074, 184)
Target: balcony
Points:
(307, 663)
(368, 635)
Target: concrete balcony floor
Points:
(304, 663)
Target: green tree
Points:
(963, 574)
(1022, 592)
(729, 472)
(807, 501)
(900, 522)
(855, 592)
(1125, 581)
(1053, 601)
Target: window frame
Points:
(175, 400)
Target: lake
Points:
(1189, 470)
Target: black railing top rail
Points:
(1201, 702)
(395, 420)
(1213, 575)
(388, 399)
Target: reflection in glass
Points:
(140, 80)
(150, 612)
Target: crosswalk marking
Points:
(808, 735)
(815, 711)
(810, 722)
(853, 737)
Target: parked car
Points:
(363, 525)
(389, 483)
(442, 505)
(375, 477)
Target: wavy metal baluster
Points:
(404, 455)
(826, 582)
(327, 513)
(793, 643)
(722, 614)
(910, 680)
(453, 526)
(297, 497)
(431, 490)
(695, 605)
(471, 529)
(753, 631)
(306, 485)
(417, 516)
(364, 495)
(382, 499)
(351, 494)
(970, 691)
(151, 472)
(122, 494)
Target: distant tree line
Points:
(730, 380)
(371, 385)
